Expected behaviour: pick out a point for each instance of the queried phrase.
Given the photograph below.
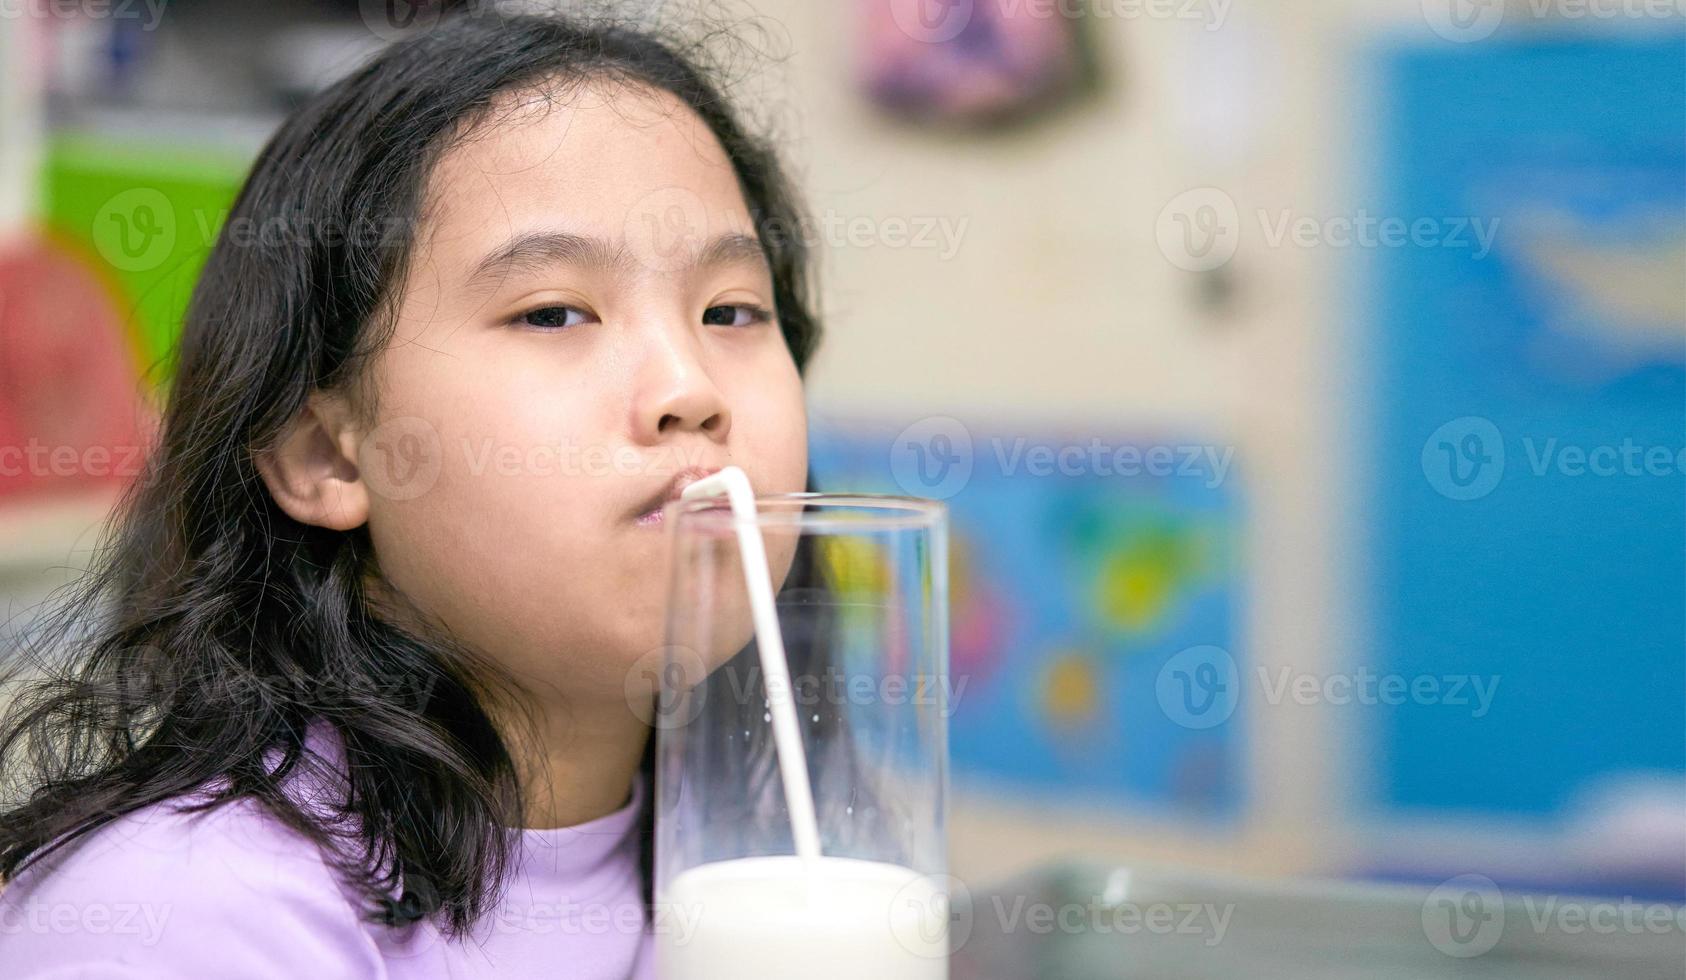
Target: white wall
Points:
(20, 122)
(1059, 305)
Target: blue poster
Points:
(1526, 496)
(1094, 606)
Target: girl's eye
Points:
(554, 317)
(734, 315)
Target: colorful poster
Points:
(1090, 578)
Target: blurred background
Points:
(1307, 382)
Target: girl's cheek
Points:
(790, 445)
(770, 411)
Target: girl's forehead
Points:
(590, 156)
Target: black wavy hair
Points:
(213, 629)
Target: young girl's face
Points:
(587, 325)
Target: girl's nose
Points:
(676, 393)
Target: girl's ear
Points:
(312, 472)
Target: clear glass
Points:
(862, 603)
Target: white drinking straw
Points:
(787, 737)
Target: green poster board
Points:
(143, 216)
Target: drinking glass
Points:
(862, 606)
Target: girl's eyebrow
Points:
(729, 248)
(536, 250)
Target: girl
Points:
(380, 597)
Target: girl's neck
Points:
(579, 764)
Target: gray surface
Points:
(1146, 923)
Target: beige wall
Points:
(20, 120)
(1059, 306)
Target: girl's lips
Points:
(651, 513)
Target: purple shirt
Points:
(233, 893)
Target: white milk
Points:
(760, 917)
